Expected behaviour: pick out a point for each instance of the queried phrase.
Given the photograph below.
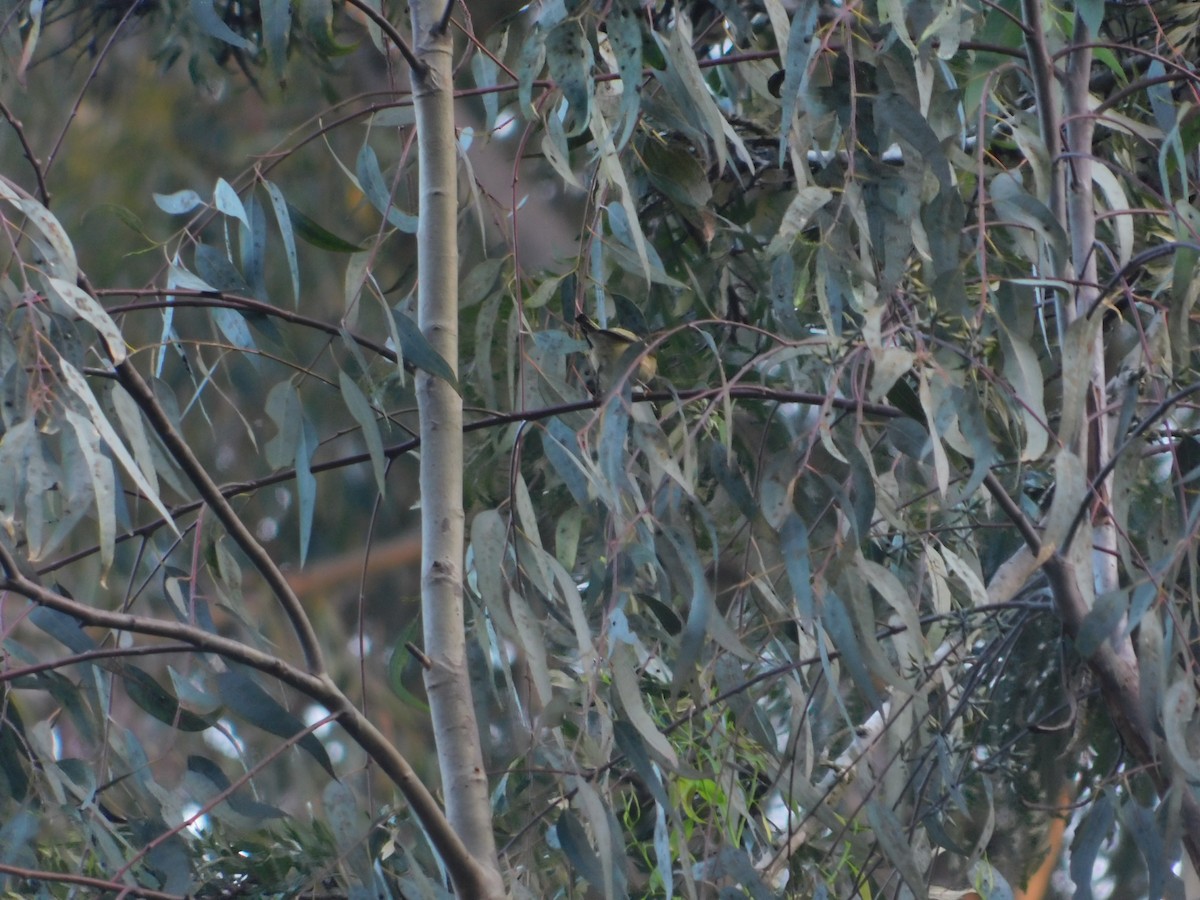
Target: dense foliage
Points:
(886, 575)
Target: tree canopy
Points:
(878, 580)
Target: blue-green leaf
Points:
(226, 199)
(840, 628)
(252, 249)
(306, 484)
(159, 702)
(360, 408)
(178, 204)
(417, 351)
(65, 629)
(311, 233)
(1090, 835)
(573, 840)
(370, 179)
(237, 800)
(277, 25)
(284, 219)
(212, 25)
(251, 703)
(215, 268)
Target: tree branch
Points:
(130, 379)
(469, 875)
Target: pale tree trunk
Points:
(456, 733)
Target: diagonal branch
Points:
(469, 875)
(136, 386)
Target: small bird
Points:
(610, 347)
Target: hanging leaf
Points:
(256, 707)
(357, 403)
(277, 25)
(418, 352)
(210, 23)
(283, 218)
(153, 698)
(312, 233)
(370, 179)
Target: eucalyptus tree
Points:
(883, 568)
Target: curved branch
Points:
(136, 386)
(418, 68)
(318, 687)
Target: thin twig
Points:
(43, 191)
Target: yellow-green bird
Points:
(609, 346)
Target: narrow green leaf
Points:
(1138, 822)
(130, 418)
(356, 402)
(210, 23)
(277, 25)
(417, 351)
(569, 65)
(65, 629)
(57, 249)
(838, 625)
(306, 484)
(252, 249)
(104, 488)
(697, 102)
(529, 66)
(1085, 848)
(152, 697)
(573, 839)
(370, 179)
(232, 324)
(625, 37)
(624, 675)
(255, 706)
(1014, 204)
(807, 202)
(312, 233)
(237, 801)
(89, 309)
(398, 663)
(214, 267)
(1179, 722)
(283, 218)
(893, 111)
(887, 830)
(801, 49)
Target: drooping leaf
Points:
(159, 702)
(1085, 848)
(179, 203)
(56, 247)
(210, 23)
(356, 402)
(573, 839)
(312, 233)
(625, 37)
(283, 218)
(370, 179)
(243, 696)
(90, 310)
(277, 21)
(418, 352)
(237, 800)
